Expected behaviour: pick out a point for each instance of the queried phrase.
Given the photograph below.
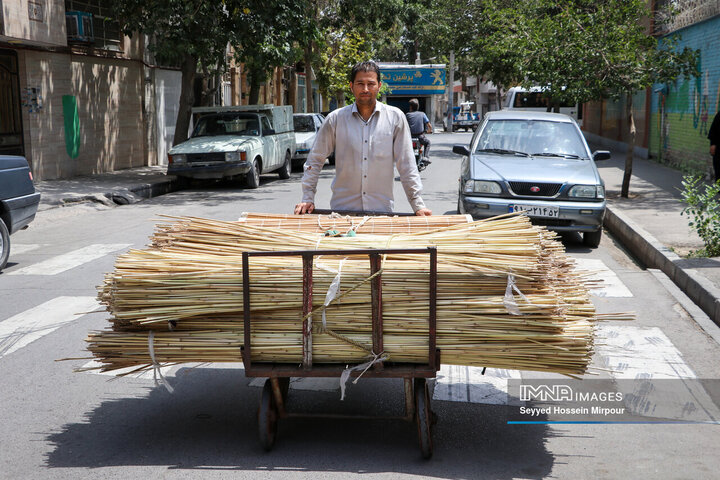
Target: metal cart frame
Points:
(274, 395)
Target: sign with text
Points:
(419, 80)
(639, 400)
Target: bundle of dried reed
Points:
(507, 297)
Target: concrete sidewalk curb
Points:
(654, 254)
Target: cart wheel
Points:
(284, 387)
(423, 417)
(267, 417)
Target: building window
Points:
(106, 30)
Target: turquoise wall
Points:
(682, 111)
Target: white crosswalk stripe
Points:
(26, 327)
(661, 384)
(62, 263)
(640, 352)
(610, 284)
(458, 383)
(18, 249)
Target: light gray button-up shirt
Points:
(365, 156)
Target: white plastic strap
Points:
(364, 367)
(362, 222)
(332, 291)
(243, 217)
(509, 300)
(156, 366)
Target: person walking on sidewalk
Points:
(419, 125)
(714, 136)
(370, 139)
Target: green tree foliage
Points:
(703, 208)
(187, 33)
(585, 50)
(578, 50)
(341, 52)
(194, 34)
(332, 30)
(264, 35)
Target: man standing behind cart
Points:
(369, 139)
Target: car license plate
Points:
(536, 210)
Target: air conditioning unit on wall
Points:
(79, 27)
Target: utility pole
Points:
(451, 81)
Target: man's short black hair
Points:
(367, 66)
(414, 105)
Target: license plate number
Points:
(536, 211)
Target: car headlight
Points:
(235, 156)
(587, 191)
(481, 186)
(178, 158)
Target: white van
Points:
(518, 98)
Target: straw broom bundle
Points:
(191, 280)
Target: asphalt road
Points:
(60, 424)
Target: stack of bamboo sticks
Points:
(507, 297)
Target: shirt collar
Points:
(378, 106)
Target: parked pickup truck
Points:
(236, 142)
(18, 200)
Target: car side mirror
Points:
(601, 155)
(461, 150)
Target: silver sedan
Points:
(534, 162)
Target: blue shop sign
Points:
(414, 81)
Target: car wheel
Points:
(284, 172)
(253, 176)
(592, 239)
(4, 245)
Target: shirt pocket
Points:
(382, 146)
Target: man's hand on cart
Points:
(423, 212)
(304, 207)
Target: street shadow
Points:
(699, 263)
(209, 194)
(209, 423)
(639, 201)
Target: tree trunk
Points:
(340, 97)
(630, 148)
(310, 105)
(254, 95)
(187, 98)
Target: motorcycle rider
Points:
(419, 125)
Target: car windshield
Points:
(227, 124)
(304, 123)
(533, 137)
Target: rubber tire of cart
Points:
(423, 417)
(267, 417)
(284, 387)
(252, 179)
(284, 172)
